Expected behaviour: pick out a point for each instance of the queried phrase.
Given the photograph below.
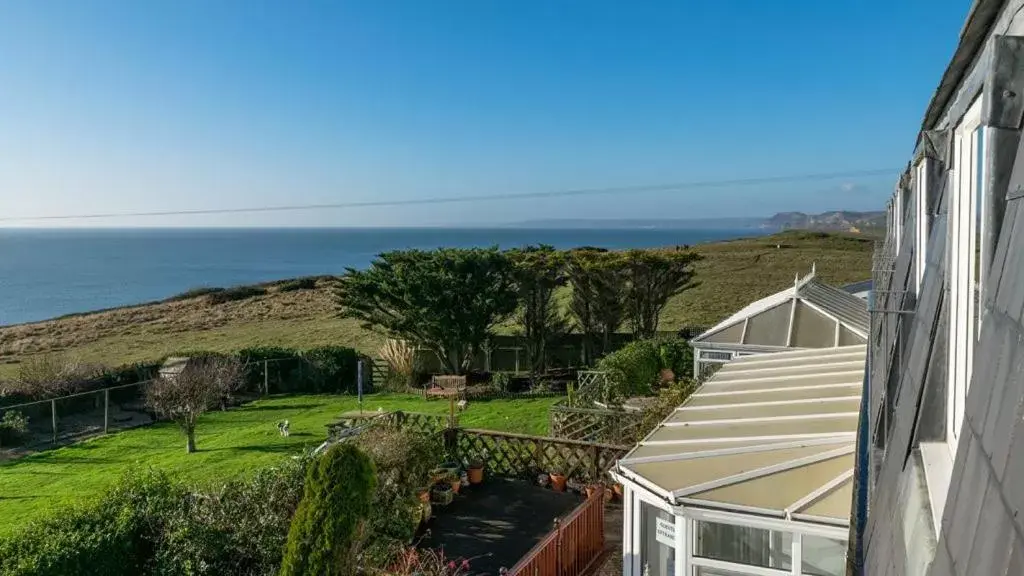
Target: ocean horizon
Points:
(50, 272)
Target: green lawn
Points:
(229, 444)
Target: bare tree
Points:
(200, 386)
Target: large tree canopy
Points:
(445, 300)
(653, 277)
(598, 285)
(538, 272)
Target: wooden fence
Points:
(524, 456)
(572, 547)
(607, 426)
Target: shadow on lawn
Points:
(257, 408)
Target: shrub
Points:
(194, 293)
(331, 369)
(114, 535)
(403, 461)
(235, 294)
(336, 498)
(239, 529)
(55, 374)
(297, 284)
(13, 428)
(400, 357)
(502, 381)
(636, 369)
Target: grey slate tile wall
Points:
(982, 528)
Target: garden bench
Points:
(445, 387)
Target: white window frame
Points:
(965, 228)
(685, 534)
(921, 221)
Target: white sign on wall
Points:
(665, 531)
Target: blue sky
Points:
(192, 104)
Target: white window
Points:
(965, 217)
(921, 219)
(897, 214)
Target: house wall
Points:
(982, 511)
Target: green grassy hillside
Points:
(731, 275)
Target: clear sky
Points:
(191, 104)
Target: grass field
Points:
(229, 444)
(732, 274)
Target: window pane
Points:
(823, 556)
(744, 545)
(657, 552)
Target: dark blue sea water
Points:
(47, 273)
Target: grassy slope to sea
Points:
(732, 274)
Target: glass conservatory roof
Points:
(809, 314)
(769, 434)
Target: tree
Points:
(598, 286)
(201, 385)
(446, 300)
(336, 498)
(539, 271)
(655, 276)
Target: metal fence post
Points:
(53, 418)
(106, 410)
(266, 378)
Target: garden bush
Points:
(636, 369)
(239, 529)
(336, 498)
(114, 535)
(148, 524)
(403, 460)
(13, 428)
(235, 294)
(325, 369)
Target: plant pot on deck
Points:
(442, 495)
(618, 490)
(558, 481)
(475, 472)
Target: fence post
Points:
(106, 410)
(266, 378)
(53, 418)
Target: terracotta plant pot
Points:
(456, 485)
(591, 490)
(476, 474)
(424, 495)
(618, 490)
(558, 482)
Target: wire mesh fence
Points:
(53, 421)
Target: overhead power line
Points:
(670, 187)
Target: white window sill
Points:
(938, 470)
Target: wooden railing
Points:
(572, 547)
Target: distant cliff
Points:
(836, 221)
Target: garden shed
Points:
(809, 314)
(751, 475)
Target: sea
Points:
(46, 273)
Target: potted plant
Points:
(424, 495)
(475, 469)
(558, 473)
(456, 483)
(442, 494)
(617, 488)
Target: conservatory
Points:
(752, 475)
(809, 314)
